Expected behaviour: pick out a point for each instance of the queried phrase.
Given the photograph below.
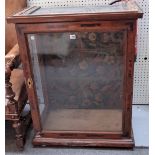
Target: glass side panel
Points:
(79, 79)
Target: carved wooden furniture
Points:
(16, 96)
(78, 64)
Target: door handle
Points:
(29, 83)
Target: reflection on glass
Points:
(79, 79)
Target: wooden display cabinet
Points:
(78, 65)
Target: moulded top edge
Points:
(105, 10)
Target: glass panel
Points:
(117, 7)
(79, 79)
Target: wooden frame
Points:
(69, 23)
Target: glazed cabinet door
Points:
(79, 79)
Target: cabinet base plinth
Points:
(119, 143)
